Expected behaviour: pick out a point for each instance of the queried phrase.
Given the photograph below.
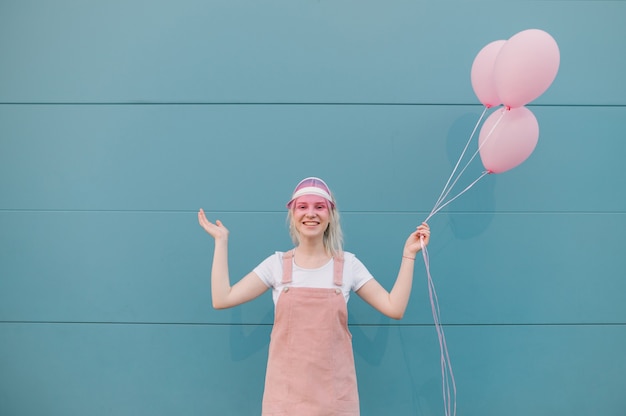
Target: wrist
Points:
(221, 241)
(409, 253)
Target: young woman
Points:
(310, 369)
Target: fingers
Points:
(202, 217)
(204, 222)
(423, 231)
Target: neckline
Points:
(327, 264)
(293, 253)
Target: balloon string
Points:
(447, 375)
(438, 205)
(490, 131)
(442, 196)
(460, 193)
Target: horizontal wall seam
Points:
(501, 324)
(262, 103)
(344, 211)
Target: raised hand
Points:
(217, 230)
(414, 242)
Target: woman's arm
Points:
(222, 293)
(393, 304)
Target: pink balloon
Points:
(525, 67)
(482, 74)
(507, 138)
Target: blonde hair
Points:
(333, 236)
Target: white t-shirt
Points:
(355, 275)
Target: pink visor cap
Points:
(311, 186)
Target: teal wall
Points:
(119, 119)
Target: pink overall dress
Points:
(310, 369)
